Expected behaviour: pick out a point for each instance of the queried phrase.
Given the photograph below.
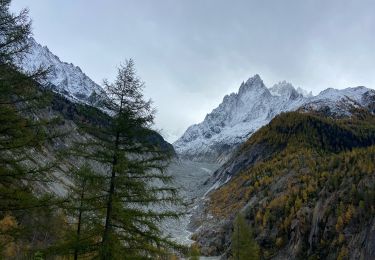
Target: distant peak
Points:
(353, 92)
(253, 83)
(254, 79)
(286, 89)
(283, 85)
(304, 92)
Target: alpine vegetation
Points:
(133, 162)
(273, 172)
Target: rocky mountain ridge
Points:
(241, 114)
(62, 77)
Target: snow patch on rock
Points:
(63, 78)
(241, 114)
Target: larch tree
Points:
(243, 244)
(80, 205)
(21, 132)
(134, 183)
(14, 32)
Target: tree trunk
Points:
(107, 254)
(238, 241)
(79, 218)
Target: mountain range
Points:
(299, 167)
(243, 113)
(227, 126)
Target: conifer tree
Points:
(21, 132)
(243, 244)
(14, 32)
(134, 184)
(80, 205)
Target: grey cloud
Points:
(192, 53)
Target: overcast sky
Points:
(191, 53)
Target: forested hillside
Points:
(310, 195)
(270, 173)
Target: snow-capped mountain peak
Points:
(64, 78)
(341, 101)
(304, 92)
(252, 84)
(355, 93)
(252, 88)
(285, 89)
(237, 117)
(241, 114)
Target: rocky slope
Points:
(70, 116)
(58, 125)
(305, 182)
(241, 114)
(76, 95)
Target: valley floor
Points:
(189, 177)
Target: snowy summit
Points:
(241, 114)
(63, 78)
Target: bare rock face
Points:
(235, 119)
(240, 161)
